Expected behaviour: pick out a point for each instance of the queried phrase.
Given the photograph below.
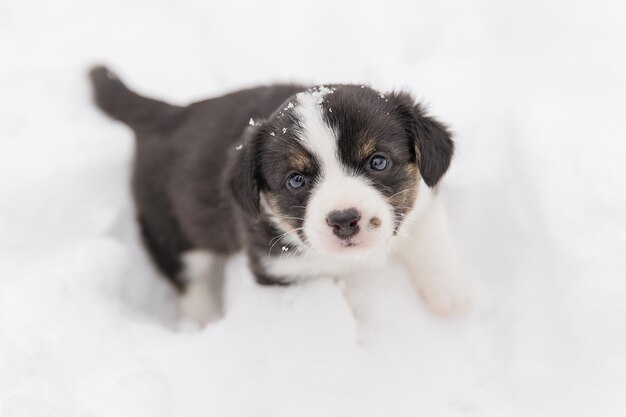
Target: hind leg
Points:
(201, 298)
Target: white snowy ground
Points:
(536, 93)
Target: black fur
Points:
(433, 140)
(200, 170)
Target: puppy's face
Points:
(337, 169)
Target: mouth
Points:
(349, 243)
(353, 245)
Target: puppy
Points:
(308, 181)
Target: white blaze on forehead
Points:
(338, 187)
(316, 135)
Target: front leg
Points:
(430, 255)
(202, 296)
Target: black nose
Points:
(345, 223)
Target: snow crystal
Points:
(284, 130)
(251, 122)
(318, 93)
(239, 147)
(272, 134)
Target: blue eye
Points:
(296, 180)
(378, 163)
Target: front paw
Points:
(198, 306)
(447, 296)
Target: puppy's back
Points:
(180, 197)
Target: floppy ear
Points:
(432, 139)
(243, 173)
(434, 147)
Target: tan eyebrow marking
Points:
(299, 160)
(367, 147)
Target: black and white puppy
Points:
(309, 182)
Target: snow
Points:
(316, 93)
(535, 93)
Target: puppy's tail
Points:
(119, 102)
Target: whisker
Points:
(283, 234)
(290, 252)
(399, 192)
(276, 239)
(295, 251)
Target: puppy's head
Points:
(337, 168)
